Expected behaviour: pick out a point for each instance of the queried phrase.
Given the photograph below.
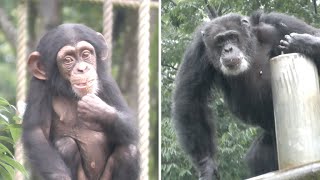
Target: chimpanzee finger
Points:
(91, 95)
(287, 36)
(283, 47)
(82, 115)
(293, 34)
(82, 105)
(86, 98)
(284, 43)
(81, 110)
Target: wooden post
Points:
(296, 100)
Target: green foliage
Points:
(88, 13)
(233, 145)
(234, 139)
(154, 103)
(10, 132)
(7, 70)
(8, 81)
(174, 164)
(85, 12)
(179, 19)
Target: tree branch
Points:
(212, 12)
(169, 66)
(175, 4)
(8, 28)
(315, 6)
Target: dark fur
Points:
(247, 94)
(43, 157)
(301, 37)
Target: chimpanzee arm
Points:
(123, 128)
(110, 109)
(44, 159)
(113, 113)
(284, 23)
(296, 35)
(191, 114)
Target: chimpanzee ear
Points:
(35, 66)
(104, 53)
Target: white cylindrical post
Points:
(296, 100)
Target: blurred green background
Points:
(179, 18)
(45, 14)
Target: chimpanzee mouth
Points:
(83, 85)
(235, 68)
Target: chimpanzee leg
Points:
(262, 156)
(123, 164)
(81, 173)
(68, 149)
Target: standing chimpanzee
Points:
(77, 125)
(232, 53)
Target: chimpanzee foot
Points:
(208, 170)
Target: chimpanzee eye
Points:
(234, 37)
(68, 60)
(219, 40)
(85, 54)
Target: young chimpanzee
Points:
(77, 125)
(232, 53)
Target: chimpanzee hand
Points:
(92, 107)
(299, 43)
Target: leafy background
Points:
(179, 18)
(45, 14)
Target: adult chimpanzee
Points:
(77, 124)
(232, 53)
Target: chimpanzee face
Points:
(229, 44)
(78, 65)
(70, 59)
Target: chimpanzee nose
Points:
(82, 67)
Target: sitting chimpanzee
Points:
(232, 53)
(77, 125)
